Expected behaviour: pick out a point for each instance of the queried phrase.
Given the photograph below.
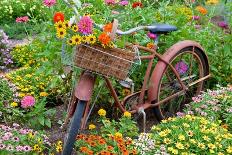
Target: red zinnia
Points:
(59, 16)
(137, 4)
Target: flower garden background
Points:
(35, 89)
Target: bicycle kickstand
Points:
(141, 111)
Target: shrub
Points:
(213, 104)
(192, 135)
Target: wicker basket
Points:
(113, 62)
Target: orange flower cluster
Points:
(108, 27)
(94, 144)
(104, 38)
(202, 10)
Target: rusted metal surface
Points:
(84, 88)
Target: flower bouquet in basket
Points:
(95, 49)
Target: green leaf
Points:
(41, 120)
(48, 123)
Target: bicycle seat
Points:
(162, 28)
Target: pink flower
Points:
(2, 146)
(49, 3)
(27, 101)
(123, 3)
(115, 12)
(23, 19)
(85, 25)
(15, 139)
(223, 25)
(180, 114)
(151, 35)
(110, 2)
(27, 148)
(19, 148)
(196, 17)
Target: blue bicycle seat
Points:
(162, 28)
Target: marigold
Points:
(91, 126)
(59, 16)
(108, 27)
(202, 10)
(104, 38)
(127, 114)
(137, 4)
(102, 112)
(43, 94)
(212, 2)
(151, 45)
(118, 135)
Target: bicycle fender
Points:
(85, 86)
(161, 66)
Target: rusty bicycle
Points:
(179, 74)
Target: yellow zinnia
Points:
(179, 146)
(43, 94)
(127, 114)
(102, 112)
(118, 135)
(91, 126)
(14, 104)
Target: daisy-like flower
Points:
(202, 10)
(61, 33)
(49, 3)
(91, 39)
(70, 42)
(84, 39)
(66, 24)
(59, 25)
(85, 25)
(74, 28)
(92, 126)
(77, 39)
(102, 112)
(109, 2)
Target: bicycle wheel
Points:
(74, 127)
(191, 64)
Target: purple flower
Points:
(15, 139)
(19, 148)
(196, 17)
(151, 35)
(223, 25)
(110, 2)
(49, 3)
(181, 67)
(123, 3)
(180, 114)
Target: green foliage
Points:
(6, 93)
(215, 105)
(191, 134)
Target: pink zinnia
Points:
(123, 3)
(196, 17)
(49, 3)
(85, 25)
(110, 2)
(23, 19)
(27, 101)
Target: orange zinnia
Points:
(110, 147)
(108, 27)
(104, 38)
(59, 16)
(202, 10)
(83, 149)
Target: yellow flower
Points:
(43, 94)
(91, 126)
(31, 135)
(36, 147)
(91, 39)
(190, 133)
(59, 143)
(77, 39)
(126, 92)
(193, 141)
(118, 135)
(184, 153)
(164, 121)
(212, 2)
(59, 25)
(181, 137)
(84, 39)
(206, 138)
(211, 146)
(186, 125)
(156, 128)
(201, 145)
(167, 141)
(14, 104)
(127, 114)
(162, 134)
(70, 42)
(66, 24)
(75, 28)
(39, 140)
(58, 148)
(175, 151)
(179, 146)
(229, 149)
(170, 149)
(61, 33)
(102, 112)
(21, 94)
(219, 153)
